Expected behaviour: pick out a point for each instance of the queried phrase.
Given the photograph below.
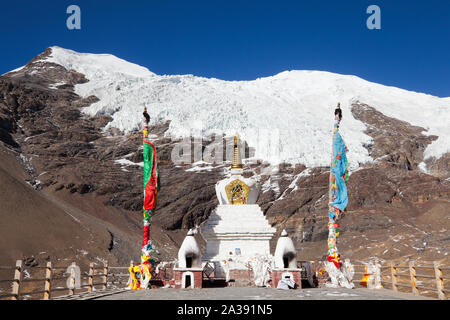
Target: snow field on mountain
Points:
(286, 118)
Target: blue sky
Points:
(244, 40)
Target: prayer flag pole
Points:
(140, 274)
(337, 202)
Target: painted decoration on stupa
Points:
(237, 192)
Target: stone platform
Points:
(253, 293)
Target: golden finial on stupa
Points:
(237, 164)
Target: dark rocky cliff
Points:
(68, 157)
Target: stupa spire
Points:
(237, 163)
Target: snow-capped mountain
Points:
(286, 117)
(58, 140)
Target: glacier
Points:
(287, 117)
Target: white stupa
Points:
(237, 230)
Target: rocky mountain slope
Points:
(69, 126)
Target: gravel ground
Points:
(253, 293)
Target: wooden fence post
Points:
(378, 275)
(18, 274)
(394, 277)
(72, 280)
(48, 279)
(130, 280)
(439, 281)
(412, 271)
(91, 277)
(105, 275)
(347, 262)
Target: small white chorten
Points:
(189, 255)
(285, 253)
(286, 264)
(188, 274)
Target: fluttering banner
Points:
(140, 274)
(338, 196)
